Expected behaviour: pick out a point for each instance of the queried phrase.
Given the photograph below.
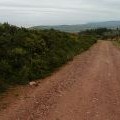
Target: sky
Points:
(58, 12)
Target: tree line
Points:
(104, 33)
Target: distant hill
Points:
(81, 27)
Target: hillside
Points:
(81, 27)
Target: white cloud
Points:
(50, 12)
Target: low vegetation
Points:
(27, 55)
(104, 33)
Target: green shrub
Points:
(31, 54)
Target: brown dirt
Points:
(87, 88)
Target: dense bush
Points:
(103, 33)
(31, 54)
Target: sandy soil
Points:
(87, 88)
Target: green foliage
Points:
(103, 33)
(33, 54)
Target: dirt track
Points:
(87, 88)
